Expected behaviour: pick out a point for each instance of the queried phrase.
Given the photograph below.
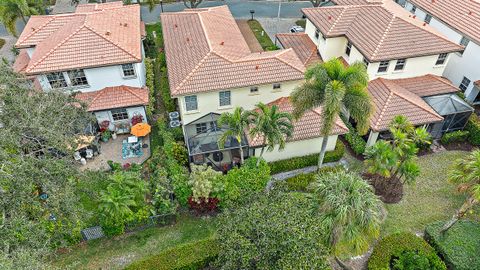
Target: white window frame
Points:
(60, 77)
(464, 41)
(224, 98)
(413, 9)
(386, 65)
(277, 86)
(365, 62)
(122, 67)
(428, 18)
(72, 79)
(399, 66)
(464, 84)
(348, 49)
(120, 112)
(442, 59)
(317, 33)
(201, 128)
(254, 90)
(191, 103)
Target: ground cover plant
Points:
(262, 36)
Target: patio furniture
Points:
(77, 156)
(132, 139)
(89, 153)
(132, 150)
(141, 129)
(83, 161)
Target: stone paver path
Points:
(249, 36)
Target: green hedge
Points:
(394, 245)
(356, 142)
(150, 82)
(190, 256)
(306, 161)
(459, 246)
(303, 180)
(455, 137)
(473, 127)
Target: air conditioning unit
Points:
(175, 123)
(173, 115)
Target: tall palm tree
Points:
(275, 127)
(466, 174)
(237, 123)
(11, 10)
(333, 86)
(349, 212)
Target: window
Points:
(441, 59)
(119, 114)
(349, 48)
(428, 18)
(413, 9)
(464, 41)
(253, 89)
(77, 77)
(213, 125)
(224, 98)
(56, 80)
(383, 67)
(365, 62)
(191, 103)
(317, 33)
(276, 86)
(464, 84)
(128, 70)
(400, 64)
(201, 128)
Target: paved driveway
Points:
(274, 26)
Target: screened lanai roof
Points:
(448, 104)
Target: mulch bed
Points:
(462, 146)
(390, 190)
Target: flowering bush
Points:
(203, 206)
(137, 119)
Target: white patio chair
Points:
(77, 156)
(89, 153)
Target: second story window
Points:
(413, 9)
(441, 59)
(317, 33)
(277, 86)
(119, 114)
(348, 50)
(56, 80)
(128, 70)
(253, 89)
(464, 41)
(383, 67)
(400, 65)
(224, 98)
(191, 103)
(428, 18)
(464, 84)
(77, 77)
(365, 62)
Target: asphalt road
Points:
(239, 9)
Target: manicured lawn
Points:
(264, 39)
(118, 252)
(431, 199)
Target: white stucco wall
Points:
(467, 64)
(107, 115)
(241, 97)
(298, 148)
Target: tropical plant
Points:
(397, 158)
(236, 122)
(11, 10)
(192, 3)
(332, 86)
(272, 125)
(350, 213)
(203, 180)
(466, 173)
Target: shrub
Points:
(180, 153)
(302, 181)
(416, 260)
(473, 127)
(150, 78)
(455, 137)
(393, 246)
(356, 142)
(190, 256)
(204, 181)
(164, 88)
(459, 246)
(306, 161)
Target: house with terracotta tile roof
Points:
(211, 70)
(459, 21)
(96, 51)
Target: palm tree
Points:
(466, 174)
(11, 10)
(275, 127)
(115, 203)
(333, 86)
(349, 212)
(237, 123)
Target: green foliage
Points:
(2, 42)
(163, 85)
(237, 122)
(302, 181)
(459, 246)
(150, 82)
(413, 260)
(455, 137)
(395, 245)
(12, 10)
(177, 133)
(301, 23)
(274, 231)
(180, 153)
(261, 35)
(204, 181)
(190, 256)
(356, 142)
(473, 127)
(240, 183)
(349, 212)
(306, 161)
(161, 188)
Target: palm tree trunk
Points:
(261, 152)
(342, 264)
(322, 152)
(469, 203)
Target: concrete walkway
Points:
(250, 38)
(6, 50)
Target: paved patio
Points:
(112, 150)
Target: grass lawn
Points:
(2, 42)
(118, 252)
(264, 40)
(431, 199)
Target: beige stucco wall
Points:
(241, 97)
(298, 148)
